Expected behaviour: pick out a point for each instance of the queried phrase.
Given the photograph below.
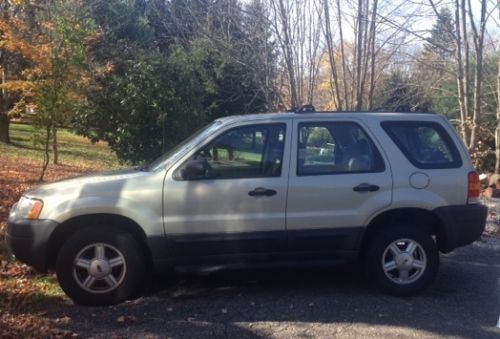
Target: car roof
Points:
(316, 115)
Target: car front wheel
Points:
(99, 267)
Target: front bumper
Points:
(28, 239)
(463, 224)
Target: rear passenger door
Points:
(338, 180)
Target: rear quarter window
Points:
(426, 145)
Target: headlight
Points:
(27, 208)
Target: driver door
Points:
(237, 205)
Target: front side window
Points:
(425, 144)
(243, 152)
(336, 147)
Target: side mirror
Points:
(196, 169)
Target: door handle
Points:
(364, 187)
(261, 191)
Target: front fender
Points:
(149, 218)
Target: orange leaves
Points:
(37, 47)
(22, 291)
(17, 38)
(18, 2)
(17, 85)
(108, 67)
(48, 63)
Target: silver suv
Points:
(389, 190)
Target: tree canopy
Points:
(144, 74)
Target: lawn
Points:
(24, 294)
(74, 151)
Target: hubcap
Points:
(99, 268)
(404, 261)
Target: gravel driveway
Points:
(298, 303)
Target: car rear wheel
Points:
(403, 260)
(99, 267)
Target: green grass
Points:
(33, 293)
(27, 143)
(249, 157)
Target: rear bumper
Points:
(463, 224)
(28, 239)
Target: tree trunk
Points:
(343, 59)
(4, 127)
(465, 74)
(331, 57)
(288, 54)
(497, 129)
(55, 146)
(460, 77)
(361, 21)
(478, 72)
(372, 56)
(366, 49)
(46, 155)
(4, 106)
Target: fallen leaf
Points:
(126, 319)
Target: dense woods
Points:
(144, 74)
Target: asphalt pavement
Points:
(323, 302)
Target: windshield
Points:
(166, 159)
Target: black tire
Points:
(395, 281)
(123, 261)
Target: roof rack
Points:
(309, 108)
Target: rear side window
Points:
(425, 144)
(335, 148)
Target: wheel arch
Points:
(405, 216)
(114, 221)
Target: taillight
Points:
(474, 189)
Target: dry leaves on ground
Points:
(22, 289)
